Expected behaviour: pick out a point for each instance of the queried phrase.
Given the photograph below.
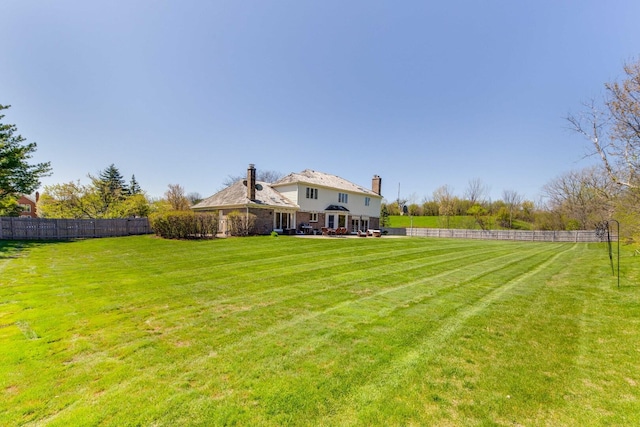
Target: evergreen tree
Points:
(384, 216)
(114, 182)
(134, 187)
(17, 176)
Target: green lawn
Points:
(320, 331)
(464, 222)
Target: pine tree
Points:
(17, 176)
(134, 187)
(114, 181)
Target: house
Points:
(28, 205)
(302, 202)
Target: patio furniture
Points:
(328, 231)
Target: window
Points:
(312, 193)
(343, 198)
(367, 201)
(313, 217)
(283, 220)
(361, 224)
(25, 208)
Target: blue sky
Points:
(422, 93)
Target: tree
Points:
(17, 175)
(107, 196)
(194, 197)
(9, 206)
(261, 175)
(69, 200)
(614, 130)
(429, 207)
(476, 191)
(446, 202)
(176, 198)
(480, 215)
(384, 215)
(134, 187)
(585, 196)
(111, 183)
(512, 200)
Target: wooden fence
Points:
(518, 235)
(64, 229)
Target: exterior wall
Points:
(357, 207)
(290, 192)
(264, 219)
(329, 196)
(305, 218)
(355, 202)
(28, 202)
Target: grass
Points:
(324, 331)
(464, 222)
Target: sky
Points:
(422, 93)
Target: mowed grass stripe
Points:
(116, 350)
(204, 287)
(311, 294)
(119, 349)
(423, 335)
(270, 290)
(243, 349)
(388, 380)
(368, 318)
(299, 352)
(434, 282)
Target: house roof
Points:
(29, 197)
(336, 208)
(236, 196)
(322, 179)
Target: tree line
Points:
(578, 199)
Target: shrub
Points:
(184, 225)
(241, 224)
(206, 225)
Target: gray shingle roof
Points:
(322, 179)
(236, 195)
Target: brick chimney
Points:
(376, 185)
(251, 182)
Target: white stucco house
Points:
(304, 202)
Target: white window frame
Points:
(343, 198)
(313, 217)
(312, 193)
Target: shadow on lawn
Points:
(12, 248)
